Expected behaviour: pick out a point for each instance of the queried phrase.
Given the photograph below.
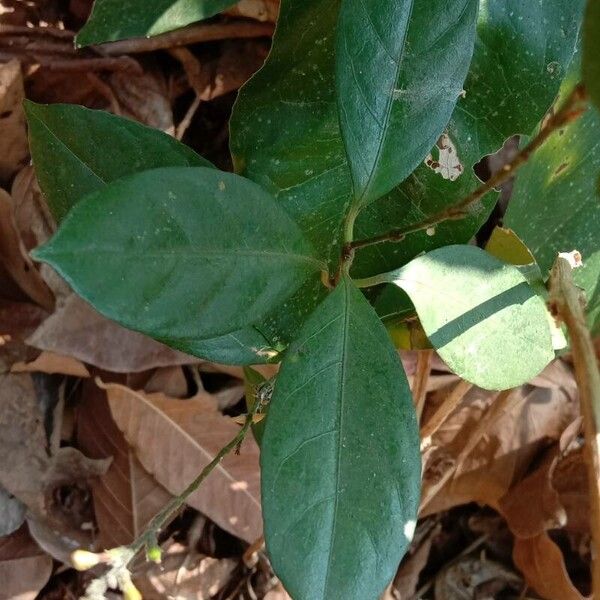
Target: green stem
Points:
(149, 535)
(572, 108)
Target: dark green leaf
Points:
(118, 19)
(401, 65)
(77, 151)
(340, 456)
(284, 128)
(480, 314)
(70, 165)
(181, 253)
(522, 52)
(555, 205)
(591, 50)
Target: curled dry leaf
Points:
(175, 439)
(489, 441)
(126, 497)
(184, 575)
(543, 565)
(32, 216)
(24, 568)
(15, 259)
(13, 141)
(76, 329)
(50, 363)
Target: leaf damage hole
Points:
(447, 164)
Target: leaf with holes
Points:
(340, 456)
(474, 309)
(400, 69)
(513, 79)
(181, 254)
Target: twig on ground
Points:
(567, 303)
(202, 32)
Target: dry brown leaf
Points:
(126, 497)
(261, 10)
(277, 593)
(15, 259)
(13, 141)
(144, 98)
(76, 329)
(24, 568)
(175, 439)
(51, 363)
(489, 441)
(30, 471)
(184, 576)
(541, 562)
(32, 215)
(170, 381)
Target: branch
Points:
(119, 558)
(572, 108)
(567, 302)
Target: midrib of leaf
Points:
(62, 143)
(390, 98)
(187, 252)
(184, 434)
(342, 388)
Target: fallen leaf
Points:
(487, 444)
(32, 216)
(51, 363)
(13, 142)
(182, 575)
(31, 472)
(16, 260)
(76, 329)
(542, 563)
(175, 439)
(261, 10)
(24, 568)
(126, 497)
(277, 593)
(144, 98)
(170, 381)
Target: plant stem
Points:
(567, 302)
(573, 107)
(149, 535)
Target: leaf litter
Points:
(504, 508)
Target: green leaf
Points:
(401, 65)
(522, 52)
(77, 151)
(555, 206)
(119, 19)
(340, 461)
(181, 253)
(591, 50)
(480, 314)
(284, 128)
(70, 165)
